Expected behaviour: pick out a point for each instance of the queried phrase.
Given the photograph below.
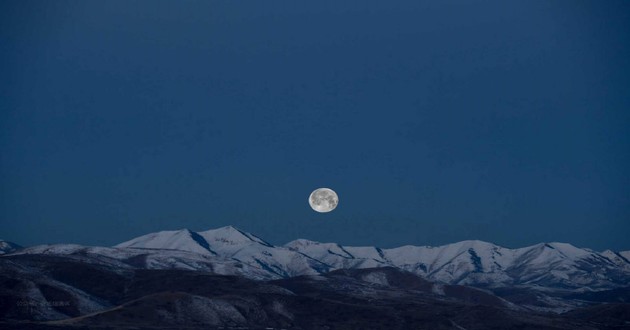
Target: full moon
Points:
(323, 200)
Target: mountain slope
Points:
(8, 247)
(184, 240)
(231, 243)
(63, 293)
(558, 265)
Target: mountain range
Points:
(555, 278)
(552, 265)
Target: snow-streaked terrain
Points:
(229, 250)
(8, 247)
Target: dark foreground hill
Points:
(56, 292)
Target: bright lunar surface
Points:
(323, 200)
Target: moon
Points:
(323, 200)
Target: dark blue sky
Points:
(504, 121)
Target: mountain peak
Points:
(301, 242)
(562, 249)
(231, 235)
(8, 247)
(182, 239)
(227, 228)
(474, 243)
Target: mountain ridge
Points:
(230, 250)
(245, 233)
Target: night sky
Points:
(435, 122)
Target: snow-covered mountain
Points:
(233, 244)
(123, 259)
(229, 250)
(478, 263)
(8, 247)
(183, 240)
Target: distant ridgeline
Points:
(231, 251)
